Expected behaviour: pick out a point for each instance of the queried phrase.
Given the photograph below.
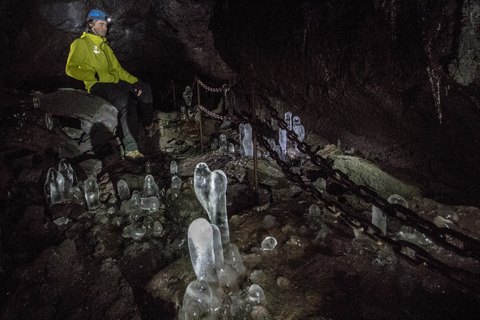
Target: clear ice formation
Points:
(288, 119)
(150, 204)
(92, 194)
(268, 244)
(150, 188)
(255, 295)
(157, 228)
(315, 215)
(241, 133)
(183, 113)
(134, 209)
(231, 148)
(247, 142)
(123, 190)
(48, 121)
(298, 128)
(176, 182)
(202, 254)
(214, 144)
(197, 301)
(398, 199)
(176, 186)
(282, 140)
(223, 143)
(53, 191)
(321, 185)
(173, 167)
(233, 259)
(210, 188)
(379, 219)
(271, 142)
(218, 248)
(70, 178)
(187, 96)
(148, 167)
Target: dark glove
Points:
(137, 86)
(96, 76)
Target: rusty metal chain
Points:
(224, 88)
(447, 238)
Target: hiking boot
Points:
(135, 154)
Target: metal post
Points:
(200, 112)
(174, 98)
(255, 163)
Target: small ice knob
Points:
(123, 190)
(256, 296)
(268, 244)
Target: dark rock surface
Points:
(396, 84)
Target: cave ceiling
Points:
(397, 81)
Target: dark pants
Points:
(123, 96)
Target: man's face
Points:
(100, 28)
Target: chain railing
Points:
(449, 239)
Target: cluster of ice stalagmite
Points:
(286, 149)
(61, 184)
(141, 211)
(216, 261)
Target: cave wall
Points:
(397, 81)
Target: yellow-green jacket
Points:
(90, 54)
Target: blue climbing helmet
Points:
(97, 15)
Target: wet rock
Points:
(170, 283)
(363, 172)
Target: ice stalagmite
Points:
(173, 167)
(288, 119)
(123, 190)
(248, 140)
(379, 219)
(201, 248)
(92, 194)
(69, 176)
(53, 192)
(211, 188)
(150, 188)
(197, 301)
(223, 143)
(282, 141)
(298, 128)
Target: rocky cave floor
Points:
(86, 269)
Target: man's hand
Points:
(136, 88)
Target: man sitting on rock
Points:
(92, 60)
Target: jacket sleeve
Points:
(122, 73)
(76, 66)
